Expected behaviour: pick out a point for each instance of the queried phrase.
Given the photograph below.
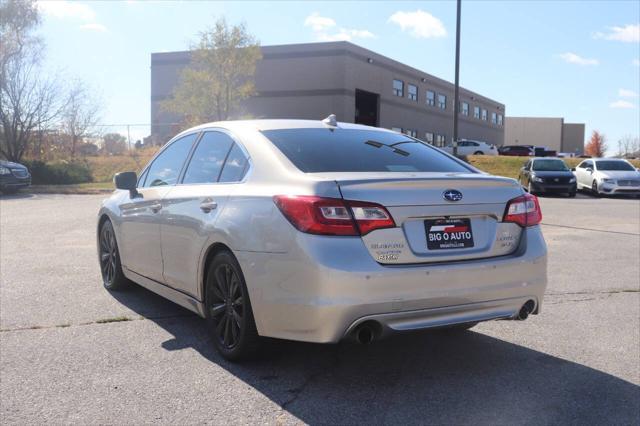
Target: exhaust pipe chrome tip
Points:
(526, 309)
(367, 332)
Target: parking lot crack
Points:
(108, 320)
(591, 229)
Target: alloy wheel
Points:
(226, 306)
(108, 254)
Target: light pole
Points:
(456, 106)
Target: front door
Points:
(141, 215)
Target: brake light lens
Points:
(333, 216)
(523, 210)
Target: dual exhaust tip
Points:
(369, 331)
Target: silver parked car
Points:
(319, 231)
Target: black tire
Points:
(478, 153)
(594, 189)
(109, 256)
(228, 309)
(572, 194)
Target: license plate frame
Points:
(448, 234)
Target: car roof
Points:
(280, 124)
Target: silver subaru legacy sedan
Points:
(320, 231)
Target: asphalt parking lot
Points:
(70, 352)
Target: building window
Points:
(476, 112)
(441, 140)
(442, 101)
(396, 129)
(428, 137)
(412, 92)
(431, 98)
(494, 118)
(464, 108)
(484, 114)
(499, 119)
(398, 88)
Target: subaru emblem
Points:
(452, 195)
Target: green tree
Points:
(219, 77)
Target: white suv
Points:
(469, 147)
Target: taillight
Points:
(523, 210)
(333, 216)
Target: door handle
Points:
(208, 205)
(155, 207)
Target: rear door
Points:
(191, 208)
(141, 215)
(434, 226)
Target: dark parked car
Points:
(541, 151)
(548, 175)
(13, 176)
(516, 150)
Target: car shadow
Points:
(15, 195)
(433, 378)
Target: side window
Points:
(166, 168)
(582, 165)
(527, 165)
(235, 167)
(474, 144)
(208, 158)
(141, 179)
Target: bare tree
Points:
(628, 146)
(18, 19)
(29, 101)
(80, 115)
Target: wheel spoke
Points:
(237, 318)
(220, 327)
(227, 332)
(228, 278)
(222, 283)
(238, 301)
(218, 309)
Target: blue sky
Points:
(578, 60)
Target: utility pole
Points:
(456, 106)
(128, 137)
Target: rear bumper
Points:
(329, 285)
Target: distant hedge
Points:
(59, 173)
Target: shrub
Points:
(59, 173)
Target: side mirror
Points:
(589, 169)
(127, 181)
(573, 169)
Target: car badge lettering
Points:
(452, 195)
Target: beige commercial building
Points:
(550, 132)
(311, 81)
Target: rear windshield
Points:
(353, 150)
(549, 166)
(614, 165)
